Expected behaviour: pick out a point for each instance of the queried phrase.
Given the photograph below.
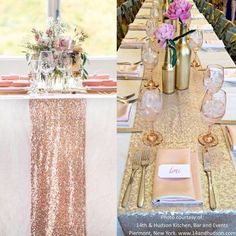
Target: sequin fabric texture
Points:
(58, 167)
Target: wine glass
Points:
(64, 64)
(47, 66)
(150, 107)
(212, 110)
(213, 78)
(196, 40)
(155, 14)
(150, 27)
(34, 73)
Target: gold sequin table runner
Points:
(180, 124)
(57, 167)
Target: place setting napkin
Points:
(137, 26)
(124, 114)
(130, 70)
(14, 84)
(197, 16)
(177, 178)
(203, 27)
(100, 83)
(133, 42)
(214, 44)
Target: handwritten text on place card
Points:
(174, 171)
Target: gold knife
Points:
(128, 130)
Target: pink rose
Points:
(49, 32)
(64, 43)
(163, 33)
(179, 9)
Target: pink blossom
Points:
(64, 43)
(179, 9)
(37, 36)
(49, 32)
(163, 33)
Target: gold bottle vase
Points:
(182, 73)
(168, 73)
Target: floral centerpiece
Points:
(179, 10)
(165, 37)
(56, 39)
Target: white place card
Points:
(175, 171)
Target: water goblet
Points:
(196, 40)
(213, 78)
(150, 108)
(212, 110)
(47, 66)
(34, 74)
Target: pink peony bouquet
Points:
(179, 9)
(165, 37)
(164, 33)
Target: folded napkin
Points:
(99, 83)
(230, 75)
(231, 132)
(123, 114)
(14, 83)
(205, 27)
(198, 16)
(130, 70)
(137, 26)
(132, 42)
(177, 191)
(212, 44)
(14, 77)
(99, 77)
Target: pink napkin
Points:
(177, 191)
(123, 112)
(99, 77)
(14, 77)
(5, 83)
(103, 83)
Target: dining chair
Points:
(216, 16)
(209, 11)
(127, 10)
(136, 6)
(228, 27)
(120, 32)
(220, 26)
(229, 38)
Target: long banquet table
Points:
(180, 124)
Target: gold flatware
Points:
(230, 141)
(207, 169)
(128, 130)
(124, 101)
(145, 161)
(120, 77)
(226, 122)
(135, 166)
(129, 63)
(127, 96)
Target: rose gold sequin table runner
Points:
(58, 167)
(180, 124)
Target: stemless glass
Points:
(213, 78)
(47, 66)
(196, 40)
(34, 72)
(150, 107)
(212, 110)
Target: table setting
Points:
(176, 160)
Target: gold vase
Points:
(168, 73)
(182, 73)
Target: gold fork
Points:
(135, 166)
(145, 161)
